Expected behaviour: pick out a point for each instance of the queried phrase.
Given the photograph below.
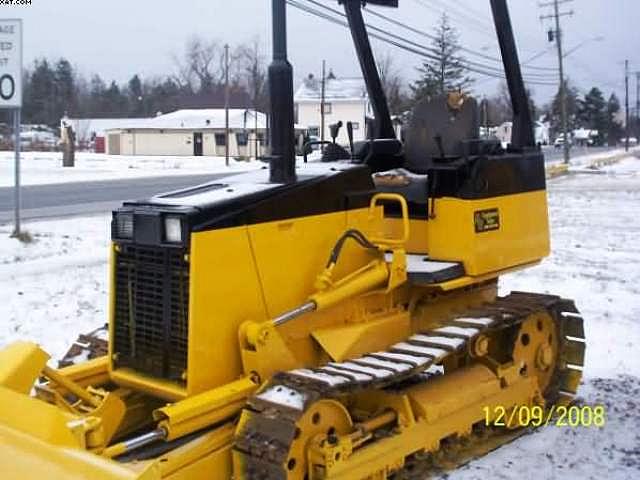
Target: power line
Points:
(469, 22)
(433, 37)
(404, 44)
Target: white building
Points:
(503, 133)
(90, 132)
(191, 132)
(346, 99)
(540, 130)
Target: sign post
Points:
(11, 92)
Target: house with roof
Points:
(346, 99)
(191, 132)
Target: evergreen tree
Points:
(573, 106)
(163, 96)
(114, 101)
(446, 71)
(65, 99)
(38, 96)
(97, 89)
(593, 113)
(135, 97)
(614, 128)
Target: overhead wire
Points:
(474, 22)
(408, 45)
(433, 37)
(470, 23)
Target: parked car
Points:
(559, 142)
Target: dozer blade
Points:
(36, 443)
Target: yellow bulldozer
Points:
(321, 320)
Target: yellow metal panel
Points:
(90, 372)
(347, 341)
(522, 236)
(291, 253)
(25, 457)
(153, 386)
(20, 365)
(418, 240)
(35, 418)
(207, 457)
(205, 409)
(385, 454)
(224, 292)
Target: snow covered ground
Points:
(56, 287)
(39, 168)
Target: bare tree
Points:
(392, 83)
(499, 106)
(252, 73)
(202, 67)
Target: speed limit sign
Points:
(10, 63)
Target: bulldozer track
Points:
(87, 347)
(265, 439)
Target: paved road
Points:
(55, 200)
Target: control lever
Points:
(350, 135)
(438, 139)
(335, 129)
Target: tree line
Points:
(53, 89)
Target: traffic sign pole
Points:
(17, 200)
(11, 93)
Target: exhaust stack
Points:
(522, 134)
(283, 158)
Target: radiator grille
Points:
(151, 310)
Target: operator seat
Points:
(439, 129)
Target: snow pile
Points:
(39, 168)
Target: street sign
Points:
(10, 63)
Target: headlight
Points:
(173, 229)
(124, 225)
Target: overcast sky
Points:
(118, 38)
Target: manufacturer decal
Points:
(486, 220)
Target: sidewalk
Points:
(584, 162)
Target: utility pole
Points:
(322, 96)
(255, 128)
(557, 34)
(626, 105)
(485, 117)
(637, 104)
(226, 105)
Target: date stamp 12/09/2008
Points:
(536, 416)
